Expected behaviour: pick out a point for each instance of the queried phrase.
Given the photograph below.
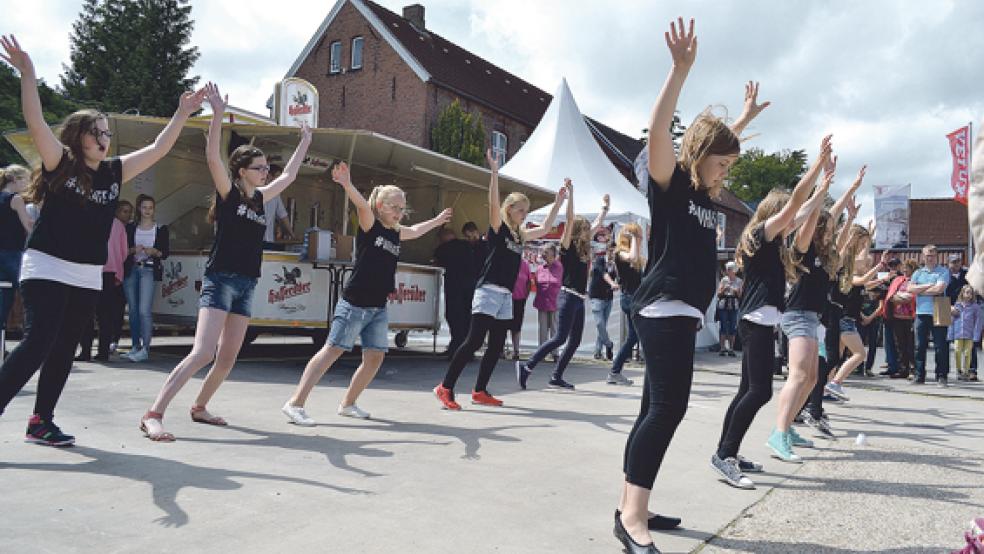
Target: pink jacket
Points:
(548, 282)
(117, 250)
(521, 290)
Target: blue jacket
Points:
(967, 322)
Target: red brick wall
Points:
(368, 92)
(438, 99)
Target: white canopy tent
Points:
(563, 146)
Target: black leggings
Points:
(55, 315)
(831, 346)
(668, 346)
(755, 390)
(481, 324)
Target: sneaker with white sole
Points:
(748, 466)
(297, 415)
(353, 411)
(837, 390)
(730, 472)
(821, 426)
(139, 355)
(782, 447)
(798, 441)
(618, 379)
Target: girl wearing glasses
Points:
(232, 270)
(361, 312)
(78, 189)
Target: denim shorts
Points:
(229, 292)
(848, 325)
(369, 324)
(494, 302)
(800, 323)
(729, 322)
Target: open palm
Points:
(682, 43)
(15, 55)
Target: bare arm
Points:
(847, 233)
(213, 143)
(611, 282)
(780, 221)
(804, 235)
(683, 49)
(495, 215)
(137, 162)
(842, 202)
(600, 220)
(565, 239)
(540, 231)
(863, 280)
(292, 168)
(340, 174)
(413, 231)
(751, 109)
(49, 148)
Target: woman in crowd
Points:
(547, 279)
(110, 298)
(520, 292)
(15, 225)
(233, 267)
(629, 263)
(78, 189)
(729, 293)
(900, 313)
(601, 289)
(149, 245)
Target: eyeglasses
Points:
(100, 134)
(260, 168)
(395, 208)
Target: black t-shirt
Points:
(74, 228)
(575, 269)
(765, 280)
(956, 283)
(502, 263)
(851, 300)
(239, 228)
(12, 233)
(628, 276)
(374, 277)
(479, 252)
(598, 287)
(809, 292)
(455, 256)
(682, 261)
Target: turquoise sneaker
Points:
(798, 441)
(782, 447)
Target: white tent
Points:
(563, 146)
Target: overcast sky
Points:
(888, 78)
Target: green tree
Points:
(56, 107)
(131, 54)
(756, 173)
(459, 134)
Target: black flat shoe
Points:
(630, 546)
(659, 523)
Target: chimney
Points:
(414, 13)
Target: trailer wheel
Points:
(319, 337)
(401, 339)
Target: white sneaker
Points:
(297, 415)
(138, 355)
(353, 411)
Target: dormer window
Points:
(499, 142)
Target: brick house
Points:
(938, 221)
(387, 73)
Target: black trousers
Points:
(831, 345)
(457, 312)
(481, 325)
(755, 389)
(110, 300)
(668, 346)
(55, 316)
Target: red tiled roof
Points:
(939, 221)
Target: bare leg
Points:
(315, 369)
(515, 342)
(230, 343)
(371, 360)
(635, 513)
(854, 344)
(803, 353)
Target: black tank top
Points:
(12, 235)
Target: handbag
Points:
(942, 317)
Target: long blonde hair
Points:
(708, 135)
(581, 245)
(11, 173)
(513, 198)
(624, 244)
(825, 246)
(381, 193)
(861, 238)
(748, 245)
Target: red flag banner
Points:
(960, 148)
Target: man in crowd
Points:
(928, 282)
(460, 273)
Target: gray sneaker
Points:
(942, 382)
(748, 466)
(618, 379)
(729, 471)
(837, 390)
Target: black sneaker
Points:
(723, 353)
(821, 426)
(522, 374)
(732, 354)
(799, 417)
(46, 432)
(597, 354)
(560, 384)
(609, 355)
(748, 466)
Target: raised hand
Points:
(490, 159)
(305, 133)
(860, 177)
(190, 102)
(826, 158)
(16, 56)
(340, 174)
(562, 194)
(752, 107)
(852, 208)
(445, 216)
(682, 43)
(215, 98)
(568, 185)
(828, 178)
(606, 201)
(886, 255)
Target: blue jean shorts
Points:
(729, 322)
(229, 292)
(848, 325)
(494, 302)
(800, 323)
(369, 324)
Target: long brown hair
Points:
(824, 245)
(748, 244)
(861, 237)
(72, 130)
(581, 246)
(11, 173)
(708, 135)
(241, 158)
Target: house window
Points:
(499, 147)
(357, 52)
(335, 57)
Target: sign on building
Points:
(892, 216)
(296, 102)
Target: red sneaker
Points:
(446, 396)
(485, 399)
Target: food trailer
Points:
(299, 286)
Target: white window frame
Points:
(499, 150)
(361, 42)
(335, 61)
